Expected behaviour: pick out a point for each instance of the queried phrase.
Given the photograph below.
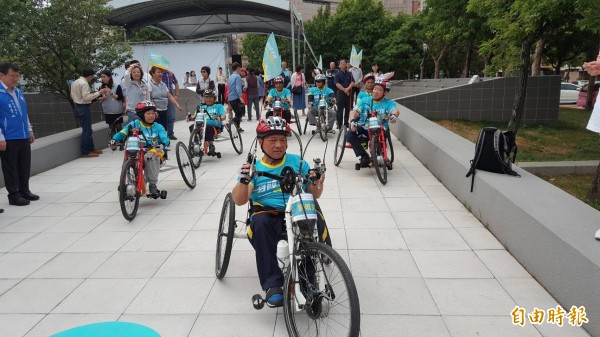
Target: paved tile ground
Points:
(424, 266)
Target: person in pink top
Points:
(298, 81)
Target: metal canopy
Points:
(195, 19)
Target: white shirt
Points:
(594, 123)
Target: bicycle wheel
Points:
(196, 147)
(129, 199)
(236, 137)
(377, 158)
(340, 146)
(323, 129)
(225, 236)
(332, 307)
(297, 119)
(390, 147)
(185, 165)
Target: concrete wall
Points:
(490, 100)
(50, 114)
(59, 148)
(548, 231)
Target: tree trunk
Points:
(517, 112)
(589, 104)
(437, 60)
(594, 192)
(537, 59)
(467, 65)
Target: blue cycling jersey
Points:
(284, 95)
(327, 92)
(383, 107)
(215, 113)
(362, 95)
(266, 191)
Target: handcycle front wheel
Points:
(332, 307)
(129, 199)
(378, 159)
(196, 147)
(236, 137)
(184, 162)
(225, 236)
(322, 126)
(297, 121)
(340, 146)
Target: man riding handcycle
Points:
(296, 266)
(321, 102)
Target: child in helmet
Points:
(314, 95)
(284, 94)
(216, 116)
(153, 137)
(386, 109)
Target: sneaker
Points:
(365, 161)
(332, 131)
(153, 190)
(241, 130)
(90, 155)
(172, 137)
(211, 149)
(275, 297)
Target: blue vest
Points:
(13, 122)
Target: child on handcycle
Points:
(385, 108)
(154, 139)
(216, 116)
(268, 202)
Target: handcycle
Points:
(276, 109)
(378, 143)
(132, 184)
(112, 130)
(322, 117)
(197, 145)
(319, 293)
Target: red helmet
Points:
(144, 106)
(271, 126)
(387, 85)
(278, 79)
(368, 76)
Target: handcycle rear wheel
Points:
(225, 236)
(378, 159)
(186, 168)
(113, 126)
(196, 146)
(332, 309)
(236, 137)
(128, 182)
(340, 146)
(323, 126)
(390, 147)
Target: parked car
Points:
(581, 83)
(569, 93)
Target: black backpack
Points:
(492, 153)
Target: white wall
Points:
(183, 57)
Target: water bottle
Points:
(283, 254)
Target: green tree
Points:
(518, 25)
(53, 41)
(356, 22)
(253, 47)
(149, 33)
(399, 50)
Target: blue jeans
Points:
(84, 114)
(171, 118)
